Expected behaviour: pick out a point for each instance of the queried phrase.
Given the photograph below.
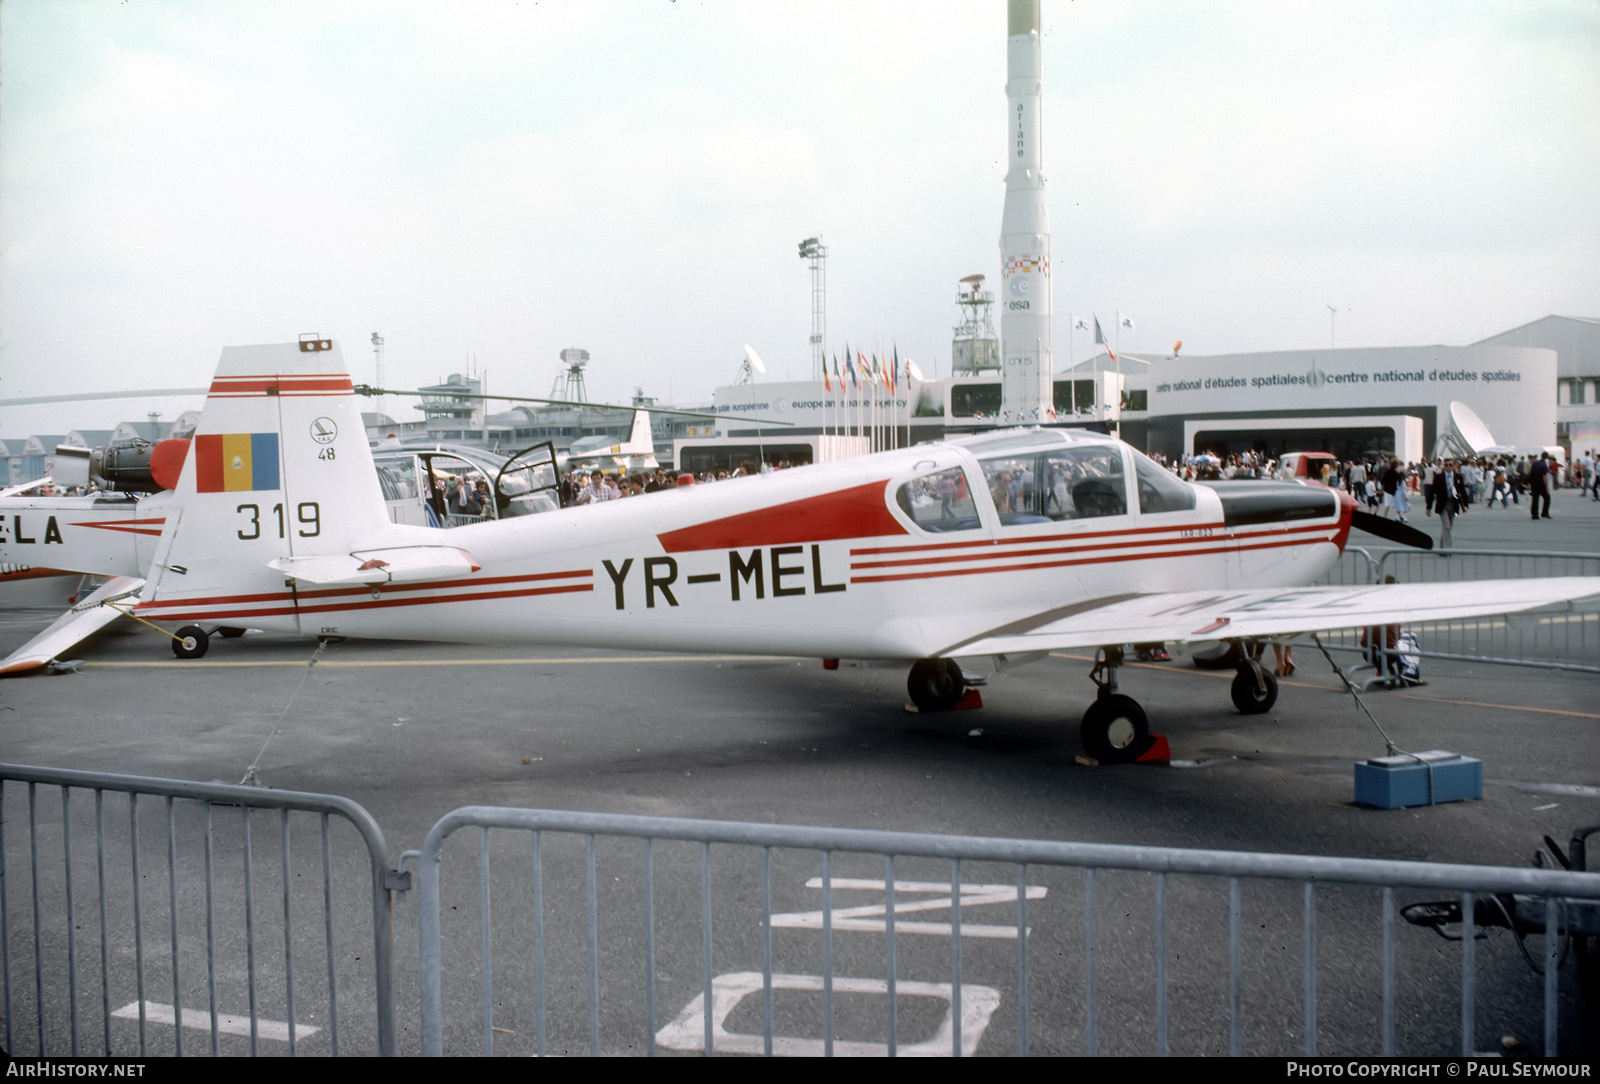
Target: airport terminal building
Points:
(1348, 402)
(1529, 386)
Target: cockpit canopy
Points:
(1042, 476)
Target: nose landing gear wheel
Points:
(1115, 729)
(1254, 689)
(191, 643)
(935, 684)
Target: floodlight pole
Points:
(813, 250)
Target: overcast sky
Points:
(489, 182)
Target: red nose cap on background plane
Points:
(166, 461)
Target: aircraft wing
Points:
(72, 627)
(1188, 616)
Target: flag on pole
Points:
(1124, 320)
(1079, 324)
(1100, 340)
(826, 386)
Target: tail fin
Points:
(640, 442)
(279, 468)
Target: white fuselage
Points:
(817, 561)
(107, 535)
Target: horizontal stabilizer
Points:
(72, 627)
(406, 564)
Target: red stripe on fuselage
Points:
(857, 512)
(214, 615)
(128, 526)
(1035, 539)
(1148, 543)
(334, 592)
(932, 574)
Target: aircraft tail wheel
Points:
(191, 642)
(1254, 690)
(1115, 729)
(935, 684)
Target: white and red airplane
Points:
(1011, 544)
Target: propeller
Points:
(1393, 530)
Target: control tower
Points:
(975, 348)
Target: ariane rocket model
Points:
(1026, 387)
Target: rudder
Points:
(279, 468)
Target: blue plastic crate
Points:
(1399, 781)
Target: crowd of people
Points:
(1457, 485)
(580, 487)
(1389, 487)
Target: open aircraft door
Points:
(530, 482)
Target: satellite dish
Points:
(754, 360)
(1464, 434)
(916, 373)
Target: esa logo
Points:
(1014, 305)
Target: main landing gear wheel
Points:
(935, 684)
(191, 642)
(1254, 689)
(1115, 729)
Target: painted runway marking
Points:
(687, 1032)
(200, 1020)
(1506, 707)
(860, 917)
(1571, 790)
(191, 664)
(1226, 675)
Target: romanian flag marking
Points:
(236, 462)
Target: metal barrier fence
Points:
(587, 931)
(1548, 641)
(1355, 566)
(218, 941)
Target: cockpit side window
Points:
(1160, 490)
(1066, 483)
(939, 501)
